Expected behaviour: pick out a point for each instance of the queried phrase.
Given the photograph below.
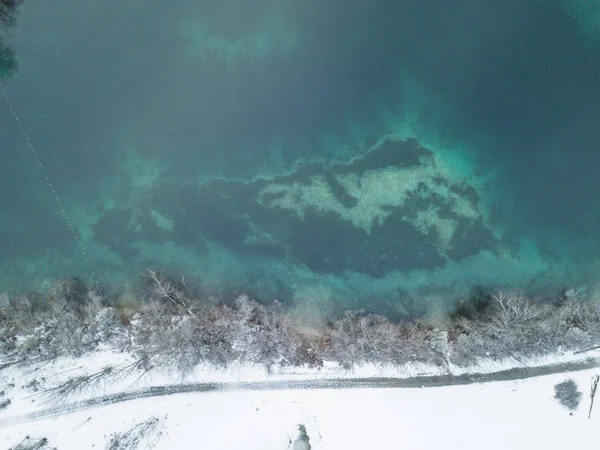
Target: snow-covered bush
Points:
(179, 341)
(4, 301)
(359, 338)
(567, 394)
(514, 325)
(174, 329)
(59, 335)
(68, 319)
(265, 334)
(246, 332)
(71, 292)
(106, 323)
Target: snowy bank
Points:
(498, 415)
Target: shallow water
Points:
(382, 154)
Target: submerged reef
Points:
(396, 208)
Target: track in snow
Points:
(325, 383)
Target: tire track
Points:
(333, 383)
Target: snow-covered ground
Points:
(497, 415)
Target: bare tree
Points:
(163, 288)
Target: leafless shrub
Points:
(146, 433)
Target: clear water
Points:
(386, 154)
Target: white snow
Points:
(499, 415)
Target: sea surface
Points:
(385, 154)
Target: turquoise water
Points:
(384, 154)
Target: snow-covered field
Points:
(497, 415)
